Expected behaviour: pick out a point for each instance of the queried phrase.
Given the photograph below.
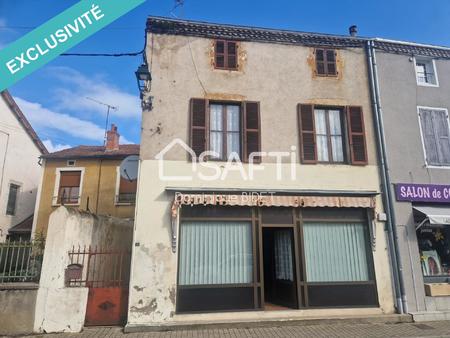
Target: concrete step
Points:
(430, 316)
(270, 322)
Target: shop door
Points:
(280, 282)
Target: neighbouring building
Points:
(87, 178)
(414, 90)
(302, 227)
(20, 170)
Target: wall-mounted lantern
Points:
(144, 77)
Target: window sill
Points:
(124, 203)
(66, 204)
(444, 167)
(427, 85)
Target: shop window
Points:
(336, 252)
(69, 187)
(435, 136)
(215, 253)
(426, 72)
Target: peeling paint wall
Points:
(62, 309)
(279, 77)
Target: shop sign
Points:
(422, 193)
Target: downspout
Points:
(399, 284)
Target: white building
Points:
(20, 171)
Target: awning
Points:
(267, 200)
(436, 215)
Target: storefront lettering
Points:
(422, 193)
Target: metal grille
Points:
(20, 261)
(99, 267)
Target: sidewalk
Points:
(428, 329)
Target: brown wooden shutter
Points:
(320, 62)
(308, 148)
(231, 55)
(252, 131)
(199, 125)
(127, 186)
(220, 54)
(357, 137)
(70, 178)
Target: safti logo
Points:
(207, 170)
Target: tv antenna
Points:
(110, 107)
(178, 3)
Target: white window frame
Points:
(433, 62)
(423, 140)
(20, 184)
(116, 196)
(57, 181)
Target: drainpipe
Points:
(399, 284)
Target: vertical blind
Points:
(283, 255)
(336, 252)
(215, 253)
(435, 131)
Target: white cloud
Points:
(54, 147)
(41, 117)
(77, 86)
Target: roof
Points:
(162, 25)
(23, 121)
(23, 227)
(94, 152)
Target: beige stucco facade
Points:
(99, 183)
(279, 77)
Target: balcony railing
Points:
(126, 198)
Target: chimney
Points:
(112, 138)
(353, 30)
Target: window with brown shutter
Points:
(325, 62)
(252, 130)
(199, 123)
(69, 187)
(226, 56)
(357, 137)
(307, 133)
(127, 191)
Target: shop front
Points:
(240, 253)
(430, 206)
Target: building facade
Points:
(87, 178)
(296, 226)
(414, 89)
(20, 170)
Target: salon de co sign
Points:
(422, 193)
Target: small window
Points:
(127, 191)
(435, 135)
(12, 199)
(71, 163)
(326, 62)
(69, 187)
(426, 72)
(226, 55)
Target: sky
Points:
(54, 98)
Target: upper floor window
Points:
(426, 72)
(126, 190)
(325, 62)
(12, 199)
(69, 187)
(332, 135)
(225, 129)
(226, 56)
(434, 125)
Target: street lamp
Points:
(143, 76)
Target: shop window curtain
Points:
(215, 253)
(283, 255)
(336, 252)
